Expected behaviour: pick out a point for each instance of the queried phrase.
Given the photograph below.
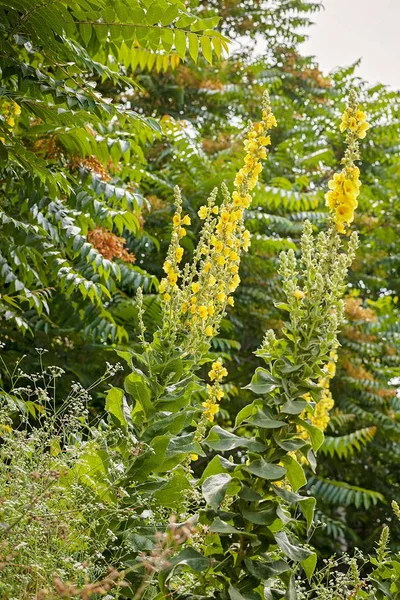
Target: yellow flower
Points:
(362, 130)
(215, 210)
(186, 220)
(211, 310)
(361, 116)
(163, 286)
(179, 254)
(176, 220)
(231, 301)
(220, 261)
(298, 294)
(182, 232)
(203, 312)
(353, 124)
(203, 212)
(194, 457)
(221, 297)
(209, 331)
(195, 287)
(167, 266)
(172, 277)
(166, 297)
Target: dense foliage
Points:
(105, 107)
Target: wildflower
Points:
(179, 254)
(344, 188)
(199, 292)
(215, 393)
(203, 212)
(298, 294)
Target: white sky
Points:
(351, 29)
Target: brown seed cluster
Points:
(110, 245)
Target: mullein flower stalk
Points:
(195, 298)
(344, 188)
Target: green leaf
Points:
(173, 494)
(193, 46)
(316, 435)
(115, 404)
(206, 48)
(307, 506)
(215, 488)
(180, 43)
(293, 552)
(265, 420)
(265, 470)
(309, 565)
(220, 439)
(136, 386)
(220, 526)
(262, 382)
(294, 472)
(192, 559)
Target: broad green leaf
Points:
(214, 488)
(265, 470)
(174, 492)
(316, 435)
(220, 439)
(262, 382)
(115, 404)
(294, 472)
(309, 565)
(297, 553)
(307, 506)
(136, 386)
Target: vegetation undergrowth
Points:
(148, 501)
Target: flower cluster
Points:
(8, 111)
(215, 393)
(211, 405)
(344, 188)
(355, 121)
(196, 296)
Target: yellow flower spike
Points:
(345, 186)
(198, 303)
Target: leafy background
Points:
(112, 118)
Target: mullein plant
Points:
(247, 495)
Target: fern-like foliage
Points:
(344, 446)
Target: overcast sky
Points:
(350, 29)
